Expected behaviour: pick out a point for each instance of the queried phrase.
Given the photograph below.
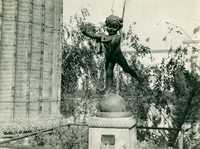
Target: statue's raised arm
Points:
(92, 35)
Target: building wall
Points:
(30, 58)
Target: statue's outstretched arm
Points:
(89, 34)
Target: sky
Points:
(150, 17)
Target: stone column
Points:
(30, 58)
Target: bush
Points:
(63, 138)
(148, 145)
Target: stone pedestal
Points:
(113, 132)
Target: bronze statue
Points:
(113, 53)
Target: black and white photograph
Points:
(99, 74)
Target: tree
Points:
(79, 61)
(186, 85)
(178, 107)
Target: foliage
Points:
(63, 138)
(184, 100)
(68, 105)
(175, 95)
(150, 144)
(79, 61)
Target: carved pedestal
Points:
(112, 133)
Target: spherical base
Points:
(112, 103)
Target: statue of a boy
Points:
(113, 53)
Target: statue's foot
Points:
(99, 52)
(106, 93)
(109, 91)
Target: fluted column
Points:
(30, 58)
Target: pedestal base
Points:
(112, 132)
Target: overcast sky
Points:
(150, 17)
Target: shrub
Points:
(63, 138)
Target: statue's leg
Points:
(123, 63)
(109, 76)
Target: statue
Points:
(113, 53)
(112, 117)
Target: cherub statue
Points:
(113, 53)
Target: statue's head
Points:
(113, 24)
